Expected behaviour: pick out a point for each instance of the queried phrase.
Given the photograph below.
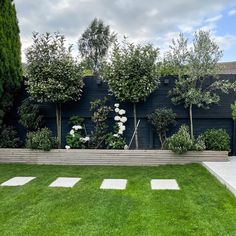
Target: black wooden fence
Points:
(218, 116)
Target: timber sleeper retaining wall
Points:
(108, 157)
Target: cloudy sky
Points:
(142, 21)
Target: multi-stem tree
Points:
(53, 75)
(196, 67)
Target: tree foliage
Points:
(233, 108)
(10, 56)
(131, 72)
(197, 71)
(52, 73)
(94, 44)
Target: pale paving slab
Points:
(114, 184)
(225, 172)
(65, 182)
(17, 181)
(164, 184)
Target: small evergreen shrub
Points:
(217, 140)
(29, 115)
(162, 119)
(41, 139)
(198, 144)
(99, 117)
(181, 142)
(9, 138)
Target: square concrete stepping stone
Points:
(17, 181)
(65, 182)
(164, 184)
(114, 184)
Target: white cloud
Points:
(214, 19)
(142, 21)
(232, 12)
(226, 42)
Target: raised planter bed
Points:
(107, 157)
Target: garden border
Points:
(107, 157)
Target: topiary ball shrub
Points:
(41, 139)
(216, 139)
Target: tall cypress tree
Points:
(10, 56)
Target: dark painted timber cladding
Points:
(218, 116)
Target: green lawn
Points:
(202, 206)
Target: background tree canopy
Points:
(94, 44)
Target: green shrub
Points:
(198, 144)
(8, 138)
(41, 139)
(181, 142)
(162, 119)
(29, 115)
(217, 140)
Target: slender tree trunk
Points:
(58, 118)
(191, 120)
(161, 141)
(135, 125)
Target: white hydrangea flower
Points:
(116, 105)
(72, 132)
(116, 118)
(122, 112)
(116, 135)
(117, 110)
(123, 119)
(126, 147)
(77, 127)
(120, 132)
(120, 124)
(86, 139)
(67, 147)
(122, 128)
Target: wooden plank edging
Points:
(107, 157)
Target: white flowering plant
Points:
(116, 140)
(76, 138)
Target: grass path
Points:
(202, 207)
